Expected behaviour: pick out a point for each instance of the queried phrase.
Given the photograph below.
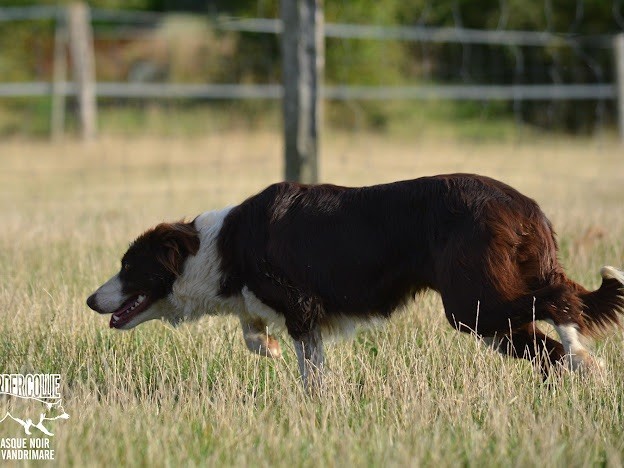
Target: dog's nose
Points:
(91, 302)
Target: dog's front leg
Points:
(258, 339)
(309, 348)
(41, 427)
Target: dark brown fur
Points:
(178, 241)
(313, 252)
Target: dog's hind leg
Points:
(483, 311)
(579, 358)
(309, 349)
(600, 310)
(557, 303)
(529, 342)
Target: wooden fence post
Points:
(57, 118)
(303, 63)
(81, 40)
(618, 50)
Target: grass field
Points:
(411, 393)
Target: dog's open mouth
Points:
(129, 310)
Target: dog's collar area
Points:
(129, 310)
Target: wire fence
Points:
(143, 55)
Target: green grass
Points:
(411, 393)
(472, 121)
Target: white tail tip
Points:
(613, 273)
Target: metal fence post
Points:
(303, 64)
(81, 41)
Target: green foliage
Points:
(23, 45)
(206, 55)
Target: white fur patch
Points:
(569, 335)
(344, 326)
(612, 273)
(109, 296)
(579, 357)
(196, 291)
(258, 309)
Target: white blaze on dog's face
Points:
(148, 270)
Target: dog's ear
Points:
(176, 242)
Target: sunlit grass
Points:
(413, 392)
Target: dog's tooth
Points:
(140, 299)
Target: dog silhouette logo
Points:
(48, 411)
(32, 401)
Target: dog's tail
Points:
(602, 307)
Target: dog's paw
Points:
(273, 348)
(586, 363)
(264, 345)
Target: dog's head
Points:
(148, 270)
(55, 410)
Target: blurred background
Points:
(475, 69)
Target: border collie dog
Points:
(315, 259)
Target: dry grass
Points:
(411, 393)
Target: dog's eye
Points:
(126, 266)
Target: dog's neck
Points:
(196, 292)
